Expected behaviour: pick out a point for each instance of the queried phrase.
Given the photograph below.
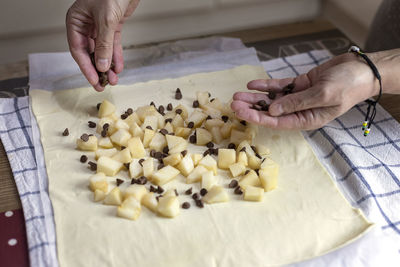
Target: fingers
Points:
(270, 85)
(104, 43)
(118, 58)
(251, 98)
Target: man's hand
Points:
(318, 97)
(95, 25)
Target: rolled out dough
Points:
(304, 217)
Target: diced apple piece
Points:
(184, 112)
(114, 197)
(151, 121)
(195, 175)
(251, 178)
(237, 125)
(186, 165)
(164, 175)
(169, 115)
(252, 193)
(123, 156)
(226, 157)
(110, 152)
(99, 195)
(245, 144)
(176, 144)
(209, 110)
(242, 158)
(106, 109)
(196, 157)
(168, 206)
(202, 97)
(269, 176)
(217, 104)
(216, 194)
(133, 118)
(169, 127)
(210, 163)
(172, 159)
(105, 142)
(226, 130)
(135, 169)
(226, 110)
(208, 180)
(203, 136)
(254, 162)
(89, 145)
(209, 124)
(148, 167)
(145, 111)
(177, 121)
(149, 201)
(136, 131)
(114, 116)
(237, 137)
(148, 135)
(183, 132)
(170, 192)
(121, 124)
(108, 166)
(158, 142)
(135, 190)
(129, 209)
(136, 148)
(121, 137)
(98, 182)
(237, 169)
(262, 150)
(160, 121)
(216, 135)
(197, 117)
(101, 123)
(250, 134)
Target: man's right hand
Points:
(95, 26)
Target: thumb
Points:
(104, 45)
(302, 100)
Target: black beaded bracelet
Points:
(366, 126)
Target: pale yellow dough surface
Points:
(304, 217)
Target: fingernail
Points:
(277, 111)
(102, 64)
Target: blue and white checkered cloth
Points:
(366, 169)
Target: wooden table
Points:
(9, 199)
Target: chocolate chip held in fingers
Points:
(288, 89)
(271, 95)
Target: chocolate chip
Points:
(225, 118)
(153, 189)
(104, 133)
(192, 139)
(209, 94)
(163, 131)
(214, 151)
(254, 149)
(129, 111)
(262, 103)
(238, 191)
(255, 107)
(203, 192)
(190, 124)
(152, 153)
(178, 95)
(168, 120)
(103, 79)
(243, 123)
(91, 124)
(288, 89)
(185, 205)
(141, 162)
(98, 106)
(85, 137)
(127, 165)
(196, 104)
(142, 180)
(258, 156)
(265, 108)
(158, 198)
(169, 107)
(149, 127)
(152, 104)
(164, 155)
(176, 192)
(66, 132)
(243, 149)
(160, 160)
(199, 203)
(124, 116)
(233, 184)
(178, 111)
(207, 152)
(291, 86)
(106, 126)
(178, 90)
(83, 158)
(184, 152)
(212, 99)
(92, 165)
(271, 95)
(210, 145)
(257, 170)
(160, 166)
(160, 190)
(165, 150)
(133, 181)
(161, 109)
(123, 147)
(208, 118)
(119, 181)
(196, 196)
(232, 146)
(158, 155)
(246, 172)
(188, 191)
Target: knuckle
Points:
(325, 95)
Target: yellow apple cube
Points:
(216, 194)
(210, 163)
(136, 147)
(123, 156)
(129, 209)
(98, 182)
(208, 180)
(121, 137)
(168, 206)
(251, 178)
(108, 166)
(148, 167)
(114, 197)
(135, 169)
(173, 159)
(237, 169)
(196, 157)
(149, 201)
(135, 190)
(242, 158)
(195, 175)
(226, 157)
(186, 165)
(110, 152)
(105, 142)
(252, 193)
(203, 136)
(99, 195)
(106, 109)
(89, 145)
(164, 175)
(254, 162)
(147, 136)
(269, 176)
(158, 142)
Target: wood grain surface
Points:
(9, 199)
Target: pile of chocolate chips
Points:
(103, 78)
